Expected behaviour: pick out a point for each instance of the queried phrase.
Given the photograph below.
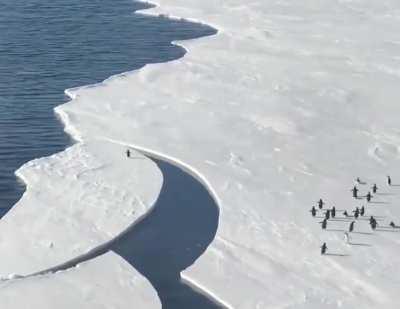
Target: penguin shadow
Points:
(324, 209)
(395, 185)
(348, 219)
(362, 183)
(384, 194)
(378, 202)
(337, 254)
(388, 229)
(363, 233)
(342, 219)
(359, 218)
(136, 158)
(359, 244)
(335, 230)
(367, 218)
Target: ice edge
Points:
(72, 93)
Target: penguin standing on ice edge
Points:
(327, 214)
(313, 211)
(323, 248)
(369, 196)
(333, 212)
(355, 192)
(356, 213)
(373, 223)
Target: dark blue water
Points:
(172, 237)
(47, 46)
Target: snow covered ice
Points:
(106, 282)
(75, 201)
(288, 103)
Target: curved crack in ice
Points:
(169, 238)
(193, 241)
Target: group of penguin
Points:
(331, 213)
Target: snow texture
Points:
(106, 282)
(290, 102)
(75, 202)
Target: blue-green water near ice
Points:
(47, 46)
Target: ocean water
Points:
(47, 46)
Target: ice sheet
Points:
(106, 282)
(75, 201)
(290, 102)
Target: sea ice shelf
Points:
(290, 102)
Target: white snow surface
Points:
(105, 282)
(288, 103)
(75, 201)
